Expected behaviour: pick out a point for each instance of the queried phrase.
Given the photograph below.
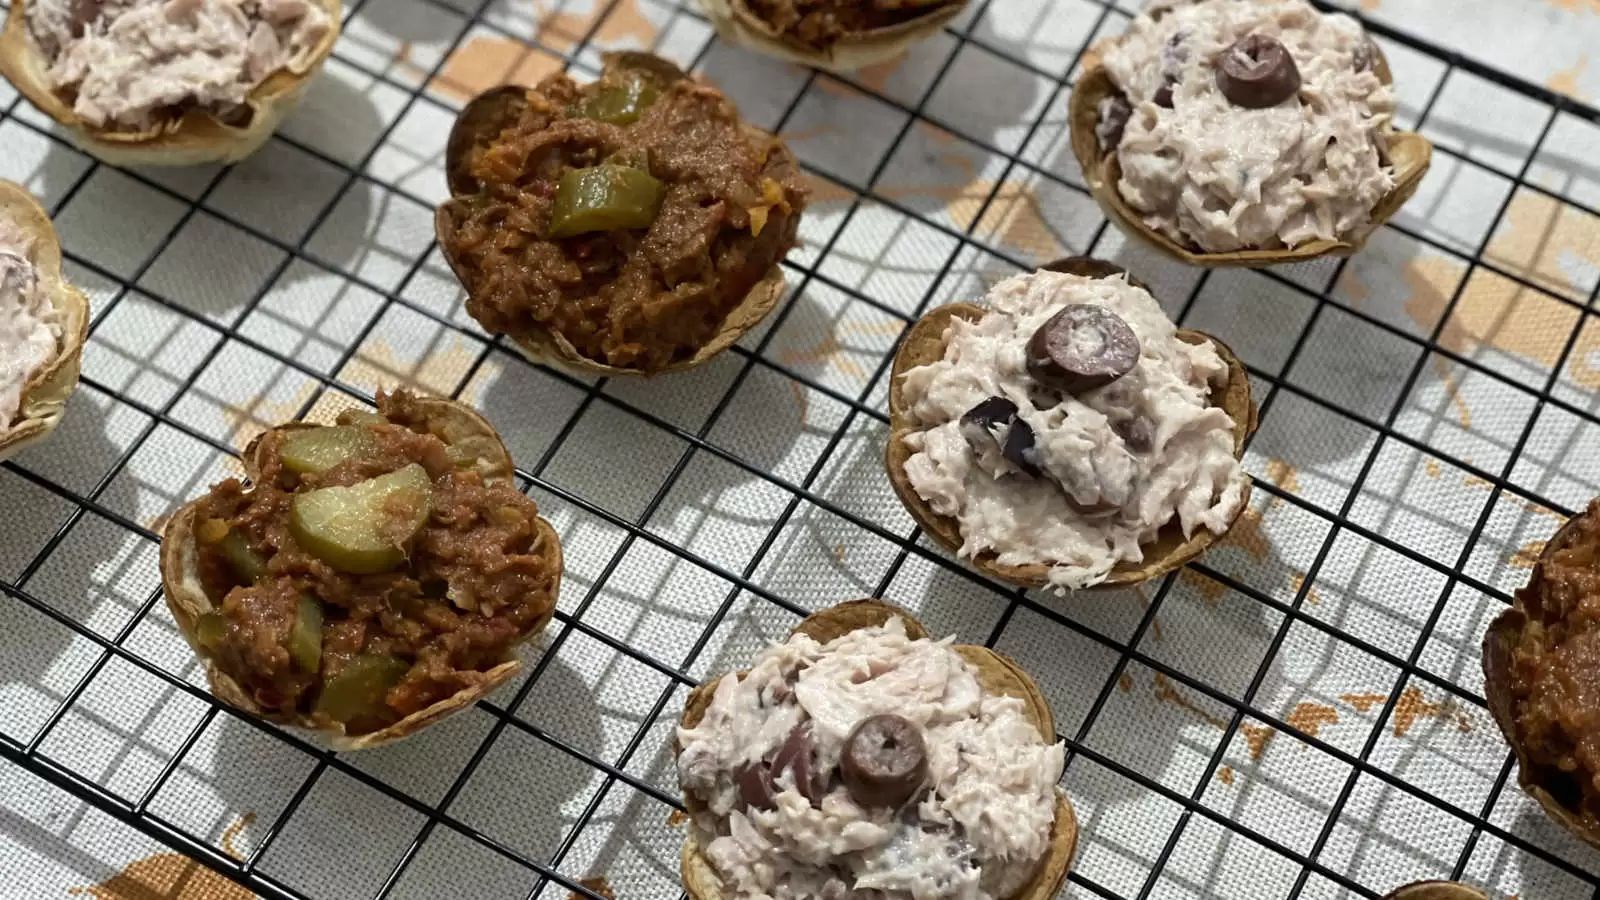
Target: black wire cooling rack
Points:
(544, 870)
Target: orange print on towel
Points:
(173, 876)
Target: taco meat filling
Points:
(628, 216)
(822, 23)
(1555, 670)
(369, 572)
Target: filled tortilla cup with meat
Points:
(1436, 890)
(1532, 654)
(632, 226)
(374, 576)
(44, 343)
(1100, 111)
(927, 344)
(169, 85)
(804, 770)
(838, 35)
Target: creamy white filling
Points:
(1120, 497)
(128, 62)
(30, 328)
(979, 832)
(1221, 177)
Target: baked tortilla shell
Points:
(1551, 788)
(1436, 890)
(480, 121)
(188, 601)
(738, 24)
(924, 343)
(996, 673)
(1410, 153)
(44, 397)
(195, 137)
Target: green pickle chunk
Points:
(621, 104)
(210, 629)
(365, 528)
(355, 695)
(305, 636)
(246, 563)
(605, 198)
(316, 450)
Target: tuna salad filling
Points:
(30, 327)
(135, 65)
(369, 572)
(870, 766)
(1068, 425)
(1247, 125)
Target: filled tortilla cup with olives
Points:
(1095, 143)
(50, 325)
(632, 226)
(374, 577)
(1436, 890)
(132, 100)
(1532, 653)
(926, 343)
(862, 780)
(838, 35)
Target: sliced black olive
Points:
(1163, 95)
(1361, 57)
(885, 761)
(1173, 55)
(795, 756)
(1018, 447)
(1114, 115)
(989, 413)
(1081, 348)
(1257, 72)
(755, 787)
(1137, 433)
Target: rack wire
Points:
(1314, 873)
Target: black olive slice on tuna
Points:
(885, 761)
(1114, 115)
(796, 756)
(1256, 72)
(1137, 433)
(755, 786)
(1081, 348)
(1018, 447)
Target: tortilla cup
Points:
(192, 139)
(995, 673)
(1557, 791)
(451, 422)
(925, 343)
(44, 397)
(479, 122)
(738, 24)
(1436, 890)
(1410, 153)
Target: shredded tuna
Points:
(30, 330)
(130, 65)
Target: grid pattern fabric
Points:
(1299, 714)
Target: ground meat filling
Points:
(822, 23)
(475, 580)
(1555, 668)
(656, 289)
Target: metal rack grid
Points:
(546, 871)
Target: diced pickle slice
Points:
(305, 636)
(621, 104)
(315, 450)
(356, 693)
(367, 527)
(605, 198)
(246, 563)
(210, 630)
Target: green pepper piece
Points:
(305, 636)
(605, 198)
(246, 563)
(210, 630)
(357, 692)
(621, 104)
